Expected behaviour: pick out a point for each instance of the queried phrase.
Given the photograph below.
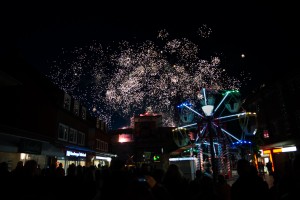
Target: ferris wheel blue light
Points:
(242, 142)
(185, 104)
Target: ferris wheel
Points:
(212, 124)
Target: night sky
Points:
(267, 33)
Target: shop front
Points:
(278, 159)
(72, 157)
(102, 159)
(16, 148)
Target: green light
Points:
(156, 158)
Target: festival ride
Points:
(204, 130)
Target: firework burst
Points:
(132, 77)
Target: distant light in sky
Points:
(243, 55)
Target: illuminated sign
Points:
(76, 154)
(266, 134)
(103, 158)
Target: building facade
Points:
(278, 120)
(144, 141)
(40, 121)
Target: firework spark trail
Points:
(134, 77)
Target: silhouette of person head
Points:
(243, 167)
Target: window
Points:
(101, 145)
(83, 113)
(81, 138)
(98, 123)
(125, 138)
(105, 147)
(102, 125)
(266, 134)
(63, 131)
(73, 136)
(76, 108)
(98, 142)
(67, 101)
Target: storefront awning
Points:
(80, 149)
(281, 144)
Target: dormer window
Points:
(98, 122)
(83, 113)
(67, 101)
(76, 108)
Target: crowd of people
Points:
(120, 182)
